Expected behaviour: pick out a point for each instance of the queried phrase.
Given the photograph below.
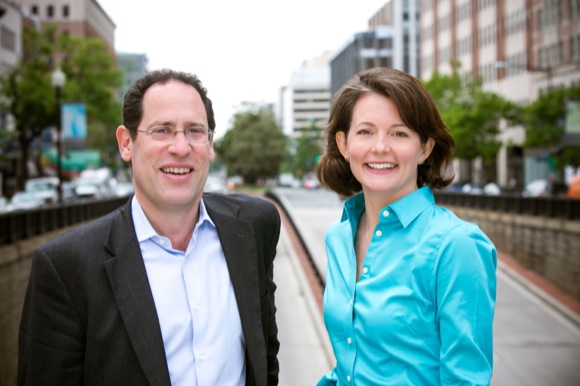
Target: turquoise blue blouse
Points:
(422, 311)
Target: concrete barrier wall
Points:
(15, 262)
(549, 247)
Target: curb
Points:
(540, 288)
(313, 307)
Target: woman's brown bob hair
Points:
(417, 110)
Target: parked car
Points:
(288, 180)
(215, 184)
(471, 188)
(85, 188)
(537, 188)
(312, 183)
(491, 189)
(45, 188)
(94, 183)
(4, 204)
(124, 189)
(25, 200)
(234, 182)
(455, 187)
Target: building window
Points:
(34, 9)
(50, 11)
(65, 11)
(8, 39)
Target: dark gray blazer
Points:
(89, 316)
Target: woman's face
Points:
(384, 153)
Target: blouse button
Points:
(348, 378)
(365, 270)
(379, 233)
(386, 213)
(349, 341)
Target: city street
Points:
(535, 344)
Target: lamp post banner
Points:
(74, 125)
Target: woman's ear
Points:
(340, 139)
(427, 148)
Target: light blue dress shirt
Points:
(422, 310)
(196, 305)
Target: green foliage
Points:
(307, 147)
(472, 114)
(30, 98)
(544, 118)
(254, 147)
(94, 78)
(544, 121)
(27, 93)
(569, 156)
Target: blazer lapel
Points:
(239, 245)
(130, 285)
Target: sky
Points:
(242, 50)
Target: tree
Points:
(544, 120)
(94, 80)
(28, 95)
(254, 147)
(307, 148)
(472, 114)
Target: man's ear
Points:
(124, 142)
(211, 152)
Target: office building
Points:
(305, 101)
(519, 48)
(10, 34)
(83, 18)
(133, 66)
(392, 40)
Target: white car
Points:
(45, 188)
(123, 189)
(4, 204)
(215, 184)
(24, 200)
(537, 188)
(491, 189)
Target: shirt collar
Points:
(143, 228)
(406, 209)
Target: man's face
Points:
(168, 174)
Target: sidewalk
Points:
(305, 352)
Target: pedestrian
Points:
(410, 288)
(175, 287)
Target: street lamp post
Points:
(58, 80)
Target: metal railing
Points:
(552, 207)
(25, 224)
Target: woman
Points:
(410, 288)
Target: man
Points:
(174, 288)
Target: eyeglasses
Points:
(193, 135)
